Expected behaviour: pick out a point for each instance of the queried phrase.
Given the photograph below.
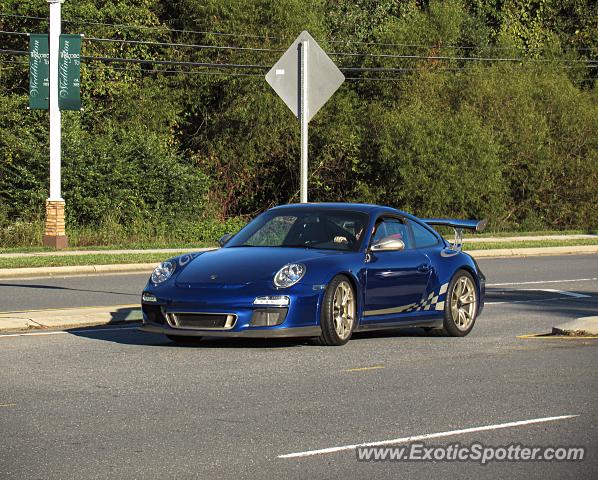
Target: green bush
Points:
(169, 157)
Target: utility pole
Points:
(54, 232)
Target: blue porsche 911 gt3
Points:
(320, 270)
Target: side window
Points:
(422, 236)
(392, 227)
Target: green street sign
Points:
(39, 71)
(69, 72)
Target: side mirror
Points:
(225, 238)
(388, 244)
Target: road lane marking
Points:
(541, 281)
(563, 293)
(65, 332)
(537, 300)
(363, 369)
(415, 438)
(550, 336)
(560, 292)
(8, 404)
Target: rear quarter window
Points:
(422, 236)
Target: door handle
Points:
(423, 268)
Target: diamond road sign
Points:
(322, 76)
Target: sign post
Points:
(304, 78)
(303, 52)
(54, 232)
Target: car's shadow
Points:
(128, 334)
(526, 300)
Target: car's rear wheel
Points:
(461, 306)
(338, 315)
(184, 340)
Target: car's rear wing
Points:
(459, 226)
(476, 225)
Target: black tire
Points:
(184, 340)
(330, 336)
(451, 326)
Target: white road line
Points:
(560, 292)
(64, 332)
(551, 299)
(563, 293)
(310, 453)
(542, 281)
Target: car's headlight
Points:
(162, 272)
(289, 275)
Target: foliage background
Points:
(161, 153)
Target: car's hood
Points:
(243, 265)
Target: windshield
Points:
(309, 228)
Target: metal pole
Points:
(55, 194)
(304, 117)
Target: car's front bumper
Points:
(301, 318)
(264, 332)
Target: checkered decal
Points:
(434, 301)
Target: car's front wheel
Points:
(461, 306)
(339, 310)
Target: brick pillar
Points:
(54, 233)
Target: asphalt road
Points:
(120, 404)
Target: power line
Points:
(198, 72)
(146, 27)
(172, 62)
(141, 60)
(378, 55)
(13, 52)
(16, 64)
(227, 74)
(233, 65)
(163, 44)
(183, 45)
(268, 37)
(457, 47)
(475, 59)
(14, 33)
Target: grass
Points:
(139, 233)
(191, 245)
(538, 233)
(75, 260)
(529, 244)
(118, 246)
(111, 259)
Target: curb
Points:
(65, 318)
(76, 270)
(146, 268)
(583, 326)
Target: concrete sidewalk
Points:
(68, 318)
